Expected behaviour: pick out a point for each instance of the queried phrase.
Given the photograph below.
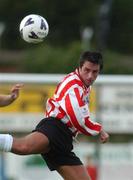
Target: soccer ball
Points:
(33, 28)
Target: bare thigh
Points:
(77, 172)
(34, 143)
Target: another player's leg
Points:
(77, 172)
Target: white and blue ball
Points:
(33, 28)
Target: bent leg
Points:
(76, 172)
(34, 143)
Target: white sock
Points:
(6, 141)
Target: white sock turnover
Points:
(6, 141)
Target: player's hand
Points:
(104, 136)
(15, 91)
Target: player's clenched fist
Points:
(104, 136)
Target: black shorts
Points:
(60, 138)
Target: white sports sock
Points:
(6, 141)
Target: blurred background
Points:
(75, 26)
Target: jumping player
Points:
(67, 114)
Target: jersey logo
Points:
(86, 99)
(84, 110)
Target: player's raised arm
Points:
(9, 98)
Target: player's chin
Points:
(88, 83)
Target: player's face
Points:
(89, 72)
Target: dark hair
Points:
(94, 57)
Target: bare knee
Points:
(34, 143)
(21, 147)
(74, 172)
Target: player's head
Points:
(90, 66)
(94, 57)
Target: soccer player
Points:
(67, 114)
(6, 99)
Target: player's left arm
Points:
(9, 98)
(78, 113)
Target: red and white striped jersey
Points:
(70, 105)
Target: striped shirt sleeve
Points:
(78, 113)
